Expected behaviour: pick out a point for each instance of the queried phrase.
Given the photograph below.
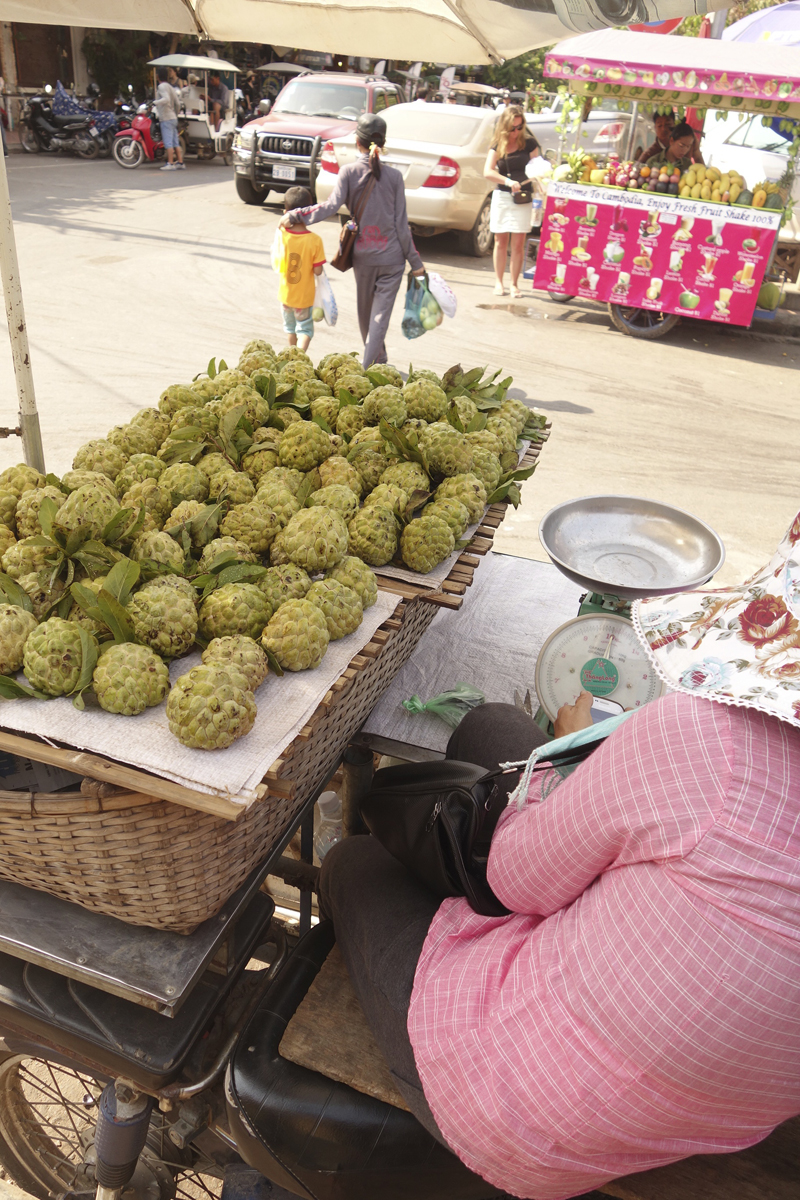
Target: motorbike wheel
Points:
(88, 149)
(127, 152)
(28, 139)
(47, 1119)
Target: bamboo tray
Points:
(150, 852)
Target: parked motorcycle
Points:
(41, 129)
(67, 105)
(142, 142)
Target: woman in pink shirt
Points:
(641, 1001)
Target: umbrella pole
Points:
(18, 331)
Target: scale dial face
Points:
(597, 654)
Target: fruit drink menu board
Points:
(651, 251)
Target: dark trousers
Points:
(382, 913)
(376, 290)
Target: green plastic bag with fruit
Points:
(422, 312)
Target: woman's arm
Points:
(318, 212)
(649, 793)
(404, 237)
(490, 171)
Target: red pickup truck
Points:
(281, 150)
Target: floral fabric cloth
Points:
(737, 645)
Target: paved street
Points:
(134, 279)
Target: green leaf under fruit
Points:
(401, 443)
(471, 378)
(477, 423)
(346, 398)
(122, 579)
(454, 419)
(115, 617)
(12, 593)
(311, 483)
(323, 424)
(53, 481)
(377, 378)
(89, 653)
(47, 514)
(452, 377)
(10, 689)
(211, 369)
(274, 665)
(506, 491)
(188, 452)
(517, 476)
(239, 573)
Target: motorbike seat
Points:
(73, 120)
(319, 1138)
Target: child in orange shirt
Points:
(303, 258)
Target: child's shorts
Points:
(298, 320)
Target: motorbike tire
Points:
(127, 152)
(89, 149)
(28, 139)
(47, 1119)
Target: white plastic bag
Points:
(537, 168)
(442, 293)
(325, 300)
(276, 254)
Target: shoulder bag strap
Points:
(365, 195)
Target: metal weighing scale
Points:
(620, 548)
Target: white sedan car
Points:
(440, 150)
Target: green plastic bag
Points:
(451, 707)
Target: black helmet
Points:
(371, 128)
(93, 90)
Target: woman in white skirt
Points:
(514, 146)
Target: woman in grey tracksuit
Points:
(384, 242)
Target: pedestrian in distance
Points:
(384, 242)
(513, 148)
(302, 259)
(217, 99)
(168, 107)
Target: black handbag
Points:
(525, 195)
(438, 819)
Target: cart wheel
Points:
(642, 322)
(560, 297)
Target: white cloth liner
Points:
(284, 706)
(492, 643)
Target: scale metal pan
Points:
(629, 546)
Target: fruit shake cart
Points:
(659, 246)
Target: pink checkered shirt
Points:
(642, 1002)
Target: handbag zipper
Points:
(437, 808)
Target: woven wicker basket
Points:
(150, 862)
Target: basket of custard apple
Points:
(243, 516)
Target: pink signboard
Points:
(652, 251)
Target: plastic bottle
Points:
(329, 827)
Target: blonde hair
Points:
(503, 131)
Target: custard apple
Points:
(138, 468)
(351, 420)
(75, 479)
(326, 408)
(487, 467)
(150, 495)
(389, 373)
(373, 535)
(28, 509)
(7, 540)
(44, 592)
(425, 400)
(506, 434)
(286, 477)
(315, 389)
(452, 512)
(209, 465)
(254, 406)
(194, 416)
(15, 626)
(155, 421)
(234, 608)
(53, 657)
(337, 470)
(163, 619)
(340, 605)
(280, 500)
(176, 396)
(315, 539)
(278, 555)
(208, 708)
(486, 440)
(297, 635)
(233, 486)
(469, 490)
(389, 495)
(515, 412)
(133, 439)
(267, 436)
(241, 652)
(467, 409)
(448, 454)
(387, 403)
(304, 446)
(225, 545)
(296, 371)
(258, 461)
(21, 478)
(425, 543)
(170, 583)
(369, 461)
(424, 373)
(8, 507)
(283, 583)
(129, 678)
(358, 386)
(25, 558)
(409, 476)
(254, 524)
(98, 455)
(89, 505)
(337, 496)
(186, 482)
(354, 573)
(293, 354)
(284, 417)
(159, 548)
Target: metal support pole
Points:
(356, 782)
(306, 855)
(18, 331)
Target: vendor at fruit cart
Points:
(682, 151)
(665, 127)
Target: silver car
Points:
(440, 150)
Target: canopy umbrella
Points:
(282, 68)
(780, 26)
(451, 31)
(193, 62)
